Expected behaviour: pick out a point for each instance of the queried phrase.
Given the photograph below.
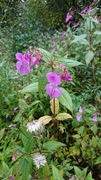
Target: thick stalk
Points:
(55, 124)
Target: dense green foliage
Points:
(72, 147)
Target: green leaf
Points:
(65, 100)
(78, 172)
(79, 38)
(2, 133)
(89, 56)
(25, 168)
(63, 116)
(46, 170)
(5, 167)
(97, 32)
(98, 161)
(29, 145)
(42, 81)
(22, 104)
(94, 142)
(33, 87)
(52, 145)
(47, 55)
(56, 174)
(94, 129)
(70, 62)
(84, 172)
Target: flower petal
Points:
(53, 91)
(53, 78)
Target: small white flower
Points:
(39, 160)
(35, 125)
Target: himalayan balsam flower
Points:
(34, 126)
(87, 10)
(94, 119)
(66, 76)
(39, 160)
(53, 78)
(68, 17)
(25, 62)
(52, 89)
(79, 115)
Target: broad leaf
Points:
(56, 174)
(79, 38)
(54, 105)
(45, 119)
(33, 87)
(63, 116)
(65, 100)
(70, 62)
(46, 55)
(89, 56)
(25, 168)
(52, 145)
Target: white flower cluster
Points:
(39, 160)
(34, 126)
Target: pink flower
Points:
(15, 109)
(87, 10)
(53, 78)
(66, 76)
(25, 62)
(79, 115)
(68, 17)
(53, 91)
(78, 118)
(94, 119)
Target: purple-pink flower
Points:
(87, 10)
(94, 119)
(68, 17)
(66, 76)
(53, 91)
(79, 115)
(53, 78)
(25, 62)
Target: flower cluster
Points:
(25, 62)
(54, 80)
(34, 126)
(39, 160)
(86, 10)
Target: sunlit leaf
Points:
(54, 105)
(63, 116)
(45, 119)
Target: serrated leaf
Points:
(63, 116)
(52, 145)
(65, 100)
(56, 174)
(25, 169)
(46, 170)
(29, 145)
(45, 119)
(54, 105)
(89, 56)
(33, 87)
